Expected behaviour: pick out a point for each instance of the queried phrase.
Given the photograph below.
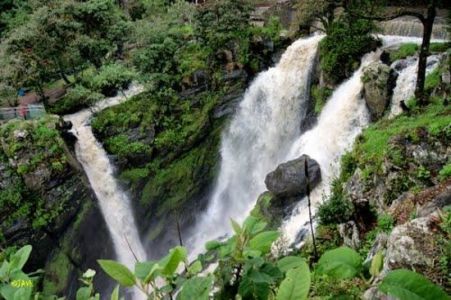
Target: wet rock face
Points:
(377, 88)
(289, 179)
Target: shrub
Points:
(346, 42)
(77, 97)
(445, 172)
(385, 222)
(336, 210)
(112, 78)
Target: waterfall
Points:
(114, 203)
(258, 139)
(341, 120)
(406, 81)
(412, 27)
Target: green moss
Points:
(183, 178)
(135, 175)
(320, 96)
(405, 50)
(57, 274)
(267, 209)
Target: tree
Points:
(323, 11)
(426, 16)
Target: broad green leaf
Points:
(115, 294)
(236, 227)
(170, 262)
(195, 268)
(118, 272)
(23, 293)
(376, 264)
(296, 284)
(142, 269)
(19, 259)
(4, 269)
(263, 241)
(212, 245)
(253, 225)
(84, 293)
(290, 262)
(250, 289)
(259, 277)
(227, 248)
(249, 253)
(340, 263)
(408, 285)
(197, 288)
(7, 291)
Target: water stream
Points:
(258, 139)
(113, 202)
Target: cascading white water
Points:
(412, 27)
(258, 139)
(342, 119)
(114, 203)
(406, 81)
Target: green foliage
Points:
(76, 98)
(223, 21)
(406, 285)
(347, 40)
(40, 147)
(445, 172)
(118, 272)
(439, 47)
(121, 146)
(296, 284)
(14, 283)
(196, 288)
(405, 50)
(320, 96)
(64, 34)
(385, 222)
(340, 263)
(432, 81)
(335, 210)
(111, 78)
(374, 144)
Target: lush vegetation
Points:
(246, 269)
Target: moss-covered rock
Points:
(377, 88)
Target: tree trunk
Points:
(428, 24)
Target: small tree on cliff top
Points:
(425, 12)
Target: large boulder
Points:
(289, 179)
(377, 88)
